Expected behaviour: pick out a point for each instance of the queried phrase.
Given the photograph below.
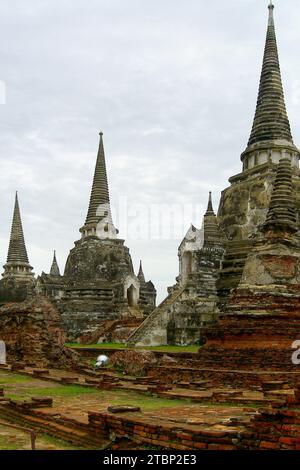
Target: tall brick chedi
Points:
(244, 205)
(99, 283)
(244, 258)
(271, 275)
(260, 213)
(17, 269)
(99, 219)
(261, 319)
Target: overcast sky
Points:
(173, 86)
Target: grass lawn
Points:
(20, 387)
(98, 345)
(166, 349)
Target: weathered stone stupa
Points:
(244, 205)
(270, 282)
(51, 285)
(29, 324)
(244, 264)
(99, 283)
(260, 322)
(54, 271)
(18, 279)
(147, 292)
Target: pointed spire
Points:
(271, 121)
(99, 219)
(282, 213)
(141, 274)
(54, 271)
(210, 208)
(17, 259)
(100, 193)
(212, 232)
(17, 250)
(271, 8)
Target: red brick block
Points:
(286, 440)
(179, 447)
(188, 437)
(200, 445)
(227, 447)
(269, 445)
(213, 433)
(289, 428)
(138, 428)
(220, 447)
(164, 438)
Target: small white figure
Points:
(102, 360)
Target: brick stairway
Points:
(144, 331)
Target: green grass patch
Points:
(15, 388)
(170, 349)
(55, 391)
(98, 345)
(145, 401)
(14, 379)
(114, 397)
(167, 349)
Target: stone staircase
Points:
(107, 328)
(104, 328)
(145, 329)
